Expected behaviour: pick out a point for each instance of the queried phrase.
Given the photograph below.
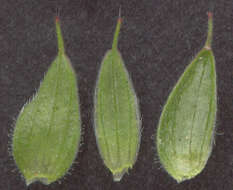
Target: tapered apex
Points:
(210, 31)
(210, 15)
(57, 19)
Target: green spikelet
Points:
(117, 122)
(186, 127)
(47, 132)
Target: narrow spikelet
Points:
(47, 132)
(117, 118)
(186, 127)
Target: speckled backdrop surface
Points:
(158, 40)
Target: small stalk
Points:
(210, 31)
(117, 31)
(59, 37)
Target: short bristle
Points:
(120, 20)
(57, 19)
(210, 15)
(119, 16)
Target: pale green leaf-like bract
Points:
(117, 118)
(186, 127)
(47, 133)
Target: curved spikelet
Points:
(47, 132)
(186, 127)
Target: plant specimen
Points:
(47, 133)
(117, 118)
(186, 127)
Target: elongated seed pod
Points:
(117, 121)
(47, 132)
(186, 127)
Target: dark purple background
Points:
(158, 40)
